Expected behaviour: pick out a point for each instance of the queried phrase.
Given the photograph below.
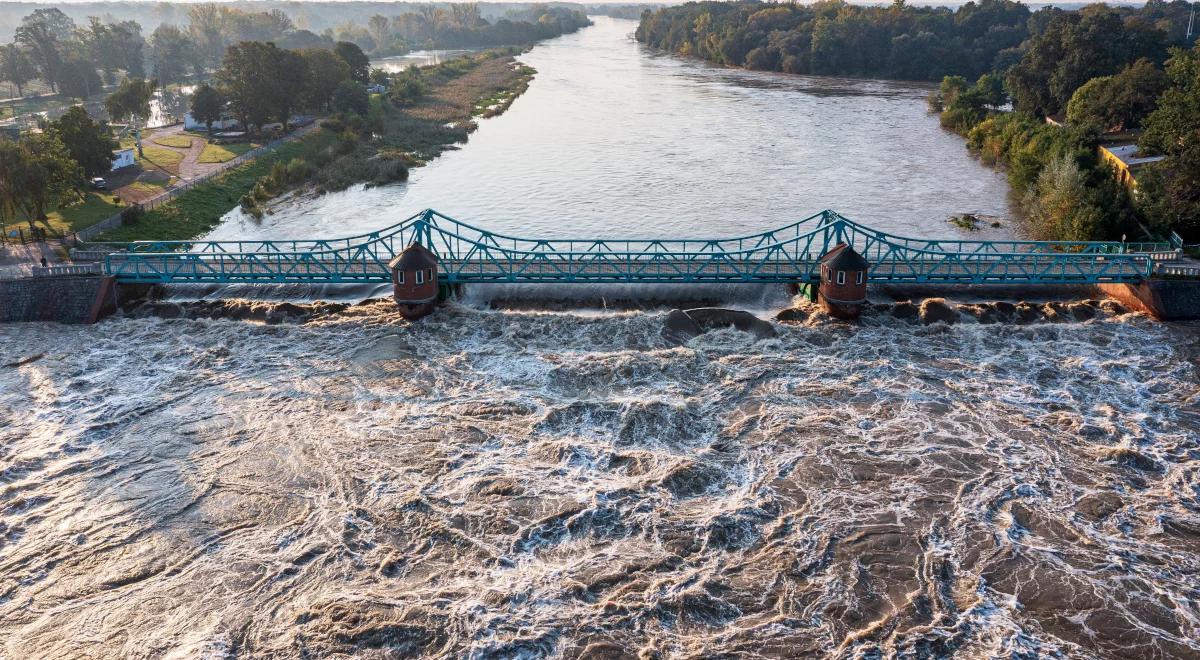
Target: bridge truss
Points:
(469, 254)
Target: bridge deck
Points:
(281, 269)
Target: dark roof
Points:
(414, 257)
(843, 257)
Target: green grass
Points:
(201, 208)
(93, 209)
(147, 187)
(177, 141)
(220, 153)
(164, 158)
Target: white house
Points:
(190, 123)
(122, 158)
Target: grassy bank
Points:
(201, 208)
(376, 148)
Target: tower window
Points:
(420, 277)
(841, 277)
(861, 277)
(399, 277)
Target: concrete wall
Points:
(1165, 300)
(64, 299)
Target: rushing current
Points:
(612, 139)
(499, 484)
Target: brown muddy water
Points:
(525, 484)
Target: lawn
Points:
(201, 208)
(94, 208)
(148, 188)
(220, 153)
(177, 141)
(164, 158)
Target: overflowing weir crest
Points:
(469, 254)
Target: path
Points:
(19, 260)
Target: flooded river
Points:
(612, 139)
(565, 483)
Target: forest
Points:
(1102, 72)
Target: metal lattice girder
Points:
(471, 254)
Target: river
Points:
(564, 483)
(612, 139)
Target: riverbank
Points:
(376, 149)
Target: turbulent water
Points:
(612, 139)
(556, 484)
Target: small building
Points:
(843, 288)
(123, 158)
(414, 281)
(1126, 160)
(224, 123)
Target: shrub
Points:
(132, 215)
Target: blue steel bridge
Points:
(469, 254)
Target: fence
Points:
(73, 269)
(1177, 270)
(114, 221)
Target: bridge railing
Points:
(478, 255)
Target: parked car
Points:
(99, 184)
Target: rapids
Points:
(528, 484)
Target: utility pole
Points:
(1191, 22)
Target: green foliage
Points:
(1060, 206)
(262, 82)
(1075, 47)
(132, 215)
(963, 106)
(172, 53)
(835, 38)
(355, 59)
(132, 99)
(1169, 191)
(207, 105)
(408, 87)
(87, 141)
(77, 77)
(16, 67)
(1119, 102)
(326, 73)
(37, 174)
(350, 96)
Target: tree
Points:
(88, 142)
(380, 29)
(207, 105)
(77, 77)
(13, 158)
(262, 82)
(172, 53)
(48, 176)
(41, 43)
(1169, 191)
(114, 46)
(352, 55)
(291, 80)
(1074, 48)
(325, 72)
(131, 101)
(1119, 102)
(1059, 207)
(16, 67)
(351, 96)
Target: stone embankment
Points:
(62, 299)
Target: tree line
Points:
(1003, 68)
(77, 61)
